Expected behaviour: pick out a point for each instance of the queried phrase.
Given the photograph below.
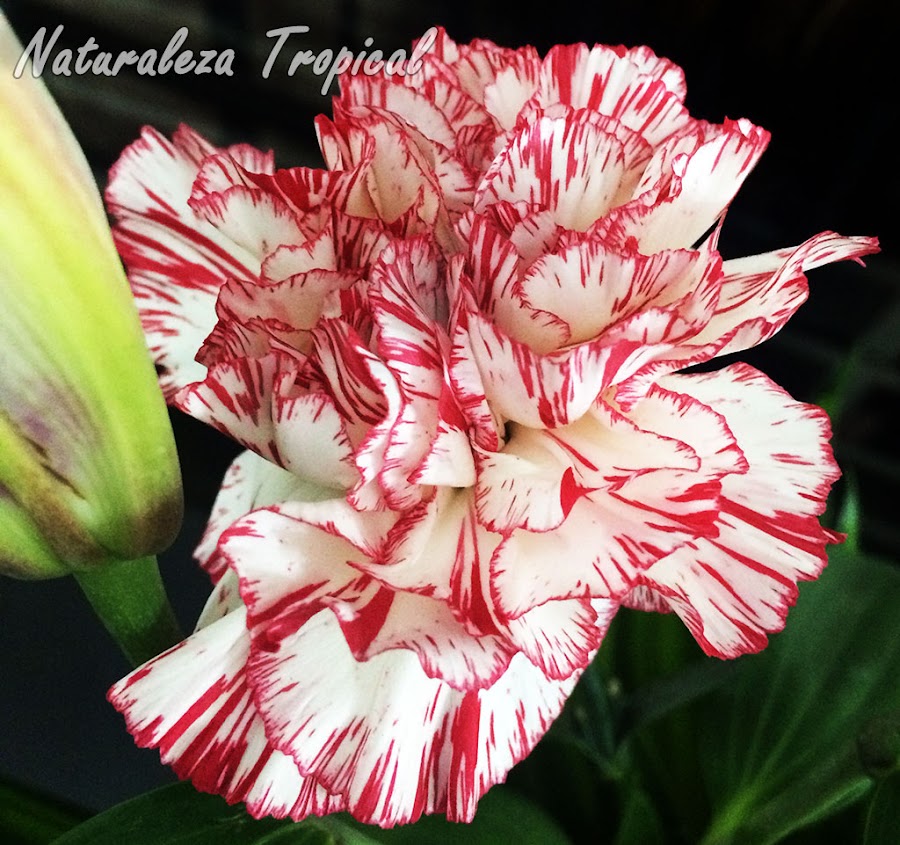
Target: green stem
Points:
(130, 599)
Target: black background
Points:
(821, 76)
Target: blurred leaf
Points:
(591, 721)
(870, 356)
(640, 821)
(28, 817)
(780, 749)
(849, 521)
(179, 815)
(879, 745)
(883, 822)
(663, 675)
(503, 816)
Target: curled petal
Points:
(703, 183)
(643, 92)
(194, 705)
(251, 482)
(341, 719)
(761, 293)
(734, 588)
(176, 261)
(638, 488)
(546, 391)
(575, 166)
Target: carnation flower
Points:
(453, 359)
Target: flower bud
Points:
(88, 468)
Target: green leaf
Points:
(503, 816)
(664, 675)
(179, 815)
(28, 817)
(883, 822)
(782, 750)
(640, 821)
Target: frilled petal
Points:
(638, 488)
(413, 107)
(589, 285)
(251, 482)
(394, 741)
(561, 637)
(635, 87)
(544, 390)
(316, 562)
(249, 399)
(578, 165)
(734, 588)
(406, 298)
(759, 294)
(176, 261)
(695, 187)
(193, 704)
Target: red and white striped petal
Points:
(696, 425)
(756, 297)
(290, 260)
(446, 649)
(762, 292)
(424, 543)
(368, 397)
(310, 439)
(176, 262)
(656, 67)
(643, 95)
(496, 77)
(194, 705)
(415, 108)
(545, 391)
(251, 482)
(532, 233)
(397, 178)
(310, 193)
(441, 86)
(529, 485)
(394, 741)
(255, 221)
(291, 568)
(588, 286)
(282, 314)
(245, 399)
(512, 88)
(539, 476)
(405, 296)
(238, 165)
(573, 165)
(636, 490)
(735, 588)
(236, 398)
(561, 637)
(485, 425)
(703, 183)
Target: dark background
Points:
(819, 74)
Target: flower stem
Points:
(131, 602)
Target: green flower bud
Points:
(88, 468)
